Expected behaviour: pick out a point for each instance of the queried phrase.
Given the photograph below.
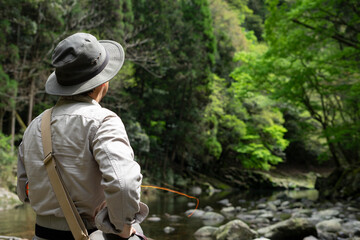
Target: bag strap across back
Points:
(72, 216)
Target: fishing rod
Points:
(147, 186)
(177, 192)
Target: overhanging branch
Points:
(335, 36)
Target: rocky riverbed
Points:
(279, 215)
(277, 218)
(281, 218)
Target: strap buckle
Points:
(47, 158)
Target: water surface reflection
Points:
(168, 208)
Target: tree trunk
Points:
(336, 153)
(31, 101)
(2, 113)
(13, 121)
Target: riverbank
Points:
(232, 178)
(226, 211)
(261, 212)
(281, 216)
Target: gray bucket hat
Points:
(82, 63)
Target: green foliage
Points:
(172, 85)
(275, 134)
(138, 138)
(186, 98)
(255, 155)
(7, 89)
(312, 63)
(251, 15)
(232, 129)
(229, 36)
(7, 162)
(243, 129)
(6, 158)
(213, 147)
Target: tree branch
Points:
(335, 36)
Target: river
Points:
(20, 221)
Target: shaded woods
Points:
(208, 85)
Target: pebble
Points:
(153, 218)
(169, 229)
(225, 202)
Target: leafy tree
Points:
(7, 162)
(312, 62)
(254, 21)
(29, 31)
(171, 89)
(8, 88)
(229, 36)
(251, 15)
(244, 129)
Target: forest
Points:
(207, 85)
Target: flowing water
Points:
(20, 222)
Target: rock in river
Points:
(169, 229)
(153, 218)
(294, 228)
(325, 214)
(212, 218)
(333, 225)
(8, 200)
(234, 230)
(205, 232)
(196, 213)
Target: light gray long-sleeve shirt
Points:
(95, 159)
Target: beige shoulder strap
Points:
(72, 216)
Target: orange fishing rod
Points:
(149, 186)
(177, 192)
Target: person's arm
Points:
(121, 177)
(21, 176)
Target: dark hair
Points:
(88, 92)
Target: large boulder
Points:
(325, 214)
(293, 228)
(341, 183)
(196, 213)
(352, 228)
(235, 230)
(205, 232)
(333, 225)
(329, 229)
(212, 218)
(8, 200)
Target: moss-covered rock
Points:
(235, 229)
(293, 228)
(341, 183)
(245, 179)
(205, 232)
(8, 199)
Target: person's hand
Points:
(127, 231)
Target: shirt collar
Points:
(76, 98)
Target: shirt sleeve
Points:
(121, 177)
(21, 176)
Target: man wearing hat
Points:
(89, 143)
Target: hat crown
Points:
(82, 63)
(78, 58)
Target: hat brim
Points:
(116, 60)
